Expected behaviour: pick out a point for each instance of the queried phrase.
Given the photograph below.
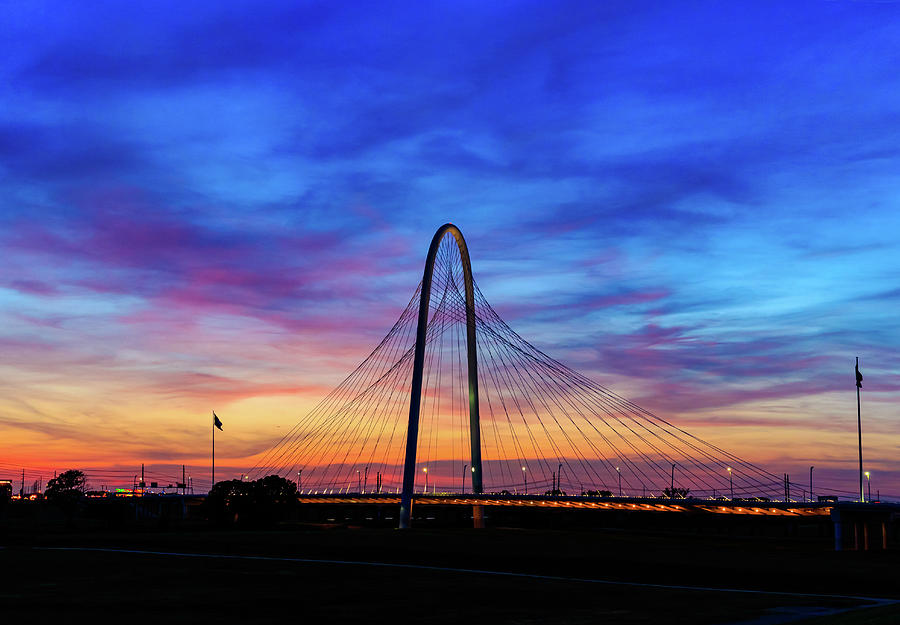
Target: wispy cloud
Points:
(233, 202)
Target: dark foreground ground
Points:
(43, 580)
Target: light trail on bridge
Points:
(632, 505)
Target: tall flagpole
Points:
(862, 493)
(214, 449)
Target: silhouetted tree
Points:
(68, 484)
(229, 501)
(66, 491)
(676, 493)
(274, 499)
(251, 504)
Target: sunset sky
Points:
(226, 205)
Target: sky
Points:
(226, 206)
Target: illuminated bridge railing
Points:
(682, 506)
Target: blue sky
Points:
(693, 202)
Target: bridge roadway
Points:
(635, 504)
(853, 525)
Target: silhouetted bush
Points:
(261, 503)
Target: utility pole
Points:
(183, 483)
(811, 497)
(22, 490)
(142, 479)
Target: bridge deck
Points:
(757, 508)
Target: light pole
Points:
(811, 498)
(868, 487)
(298, 479)
(463, 489)
(731, 483)
(525, 477)
(358, 482)
(559, 478)
(619, 473)
(425, 471)
(672, 483)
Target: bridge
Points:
(454, 401)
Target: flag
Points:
(216, 421)
(858, 375)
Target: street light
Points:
(425, 471)
(525, 477)
(731, 483)
(619, 473)
(868, 487)
(462, 489)
(298, 479)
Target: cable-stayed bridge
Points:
(454, 401)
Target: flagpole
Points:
(862, 493)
